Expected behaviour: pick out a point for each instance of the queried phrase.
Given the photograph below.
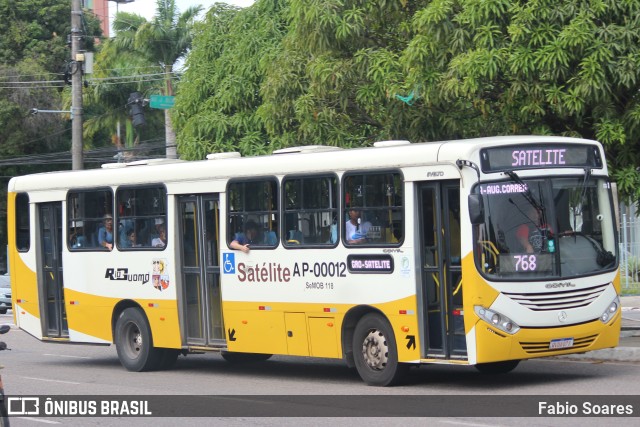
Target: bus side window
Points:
(253, 203)
(374, 208)
(310, 208)
(22, 222)
(142, 217)
(85, 215)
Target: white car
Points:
(5, 293)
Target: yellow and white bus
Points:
(477, 252)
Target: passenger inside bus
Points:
(356, 231)
(76, 236)
(105, 233)
(533, 233)
(242, 241)
(161, 240)
(130, 240)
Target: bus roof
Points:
(395, 154)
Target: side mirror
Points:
(476, 209)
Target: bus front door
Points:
(54, 321)
(441, 273)
(201, 300)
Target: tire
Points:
(134, 342)
(375, 353)
(4, 414)
(232, 357)
(497, 368)
(3, 310)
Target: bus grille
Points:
(560, 300)
(541, 347)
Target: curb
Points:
(617, 354)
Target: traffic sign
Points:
(162, 102)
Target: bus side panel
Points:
(254, 330)
(89, 318)
(165, 326)
(24, 282)
(483, 295)
(261, 327)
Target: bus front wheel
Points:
(496, 368)
(375, 352)
(134, 343)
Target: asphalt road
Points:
(316, 391)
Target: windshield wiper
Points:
(577, 210)
(529, 198)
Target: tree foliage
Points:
(348, 72)
(219, 96)
(163, 41)
(116, 75)
(33, 52)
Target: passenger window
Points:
(374, 211)
(23, 239)
(310, 211)
(253, 212)
(142, 217)
(89, 213)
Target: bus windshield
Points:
(545, 228)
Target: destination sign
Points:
(516, 157)
(370, 263)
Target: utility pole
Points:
(77, 155)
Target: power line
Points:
(99, 155)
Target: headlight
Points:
(610, 311)
(497, 320)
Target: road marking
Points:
(52, 381)
(39, 420)
(67, 355)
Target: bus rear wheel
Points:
(134, 342)
(375, 352)
(497, 368)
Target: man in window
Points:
(356, 231)
(242, 241)
(105, 233)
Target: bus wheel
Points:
(495, 368)
(134, 343)
(375, 352)
(233, 357)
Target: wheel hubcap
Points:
(135, 341)
(375, 350)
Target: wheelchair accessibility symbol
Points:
(229, 264)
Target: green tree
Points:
(163, 41)
(115, 76)
(537, 67)
(348, 72)
(33, 56)
(219, 96)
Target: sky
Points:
(147, 8)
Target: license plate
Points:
(561, 343)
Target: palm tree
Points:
(115, 76)
(164, 41)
